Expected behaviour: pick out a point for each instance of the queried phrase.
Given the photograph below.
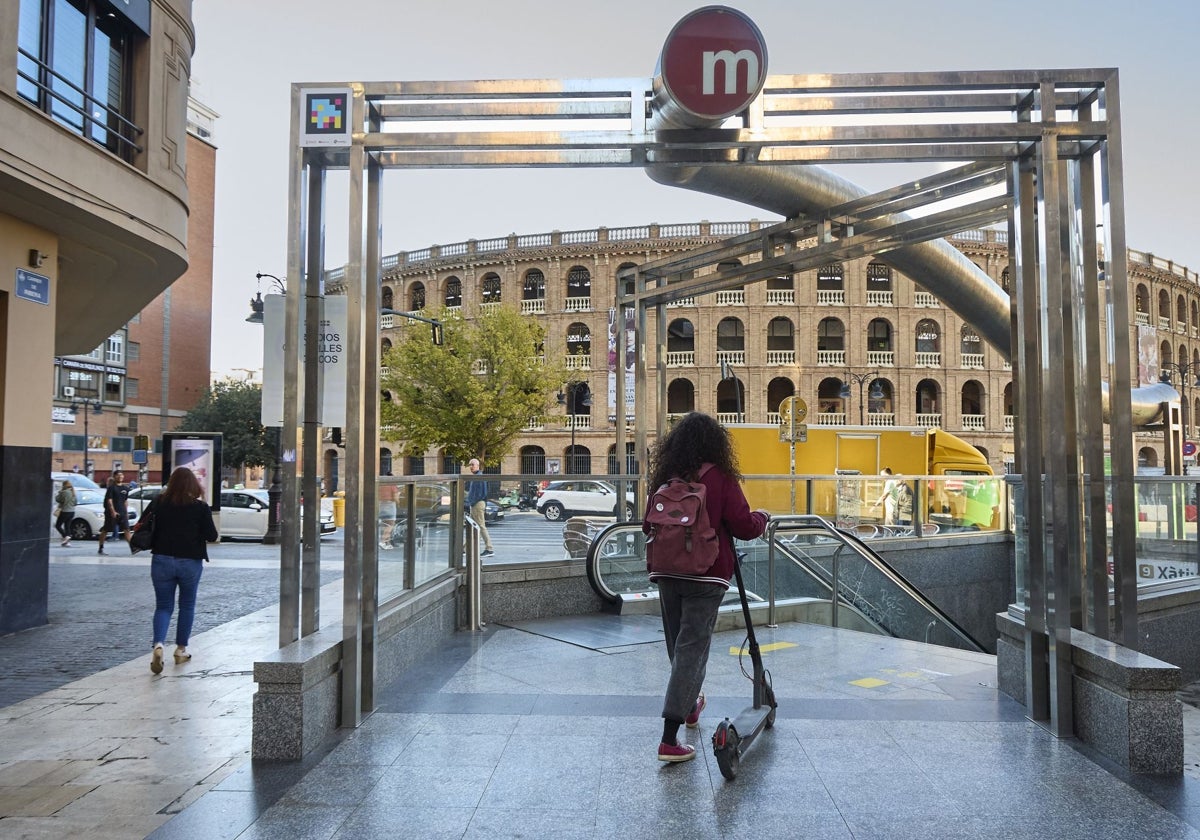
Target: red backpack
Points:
(682, 540)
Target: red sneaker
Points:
(676, 752)
(692, 721)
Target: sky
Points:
(250, 52)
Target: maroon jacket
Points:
(730, 515)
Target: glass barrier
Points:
(1167, 543)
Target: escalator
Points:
(800, 560)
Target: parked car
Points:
(244, 515)
(562, 498)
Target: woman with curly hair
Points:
(697, 449)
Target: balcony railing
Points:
(929, 360)
(1010, 423)
(730, 417)
(687, 301)
(881, 358)
(831, 418)
(781, 357)
(1164, 322)
(880, 298)
(732, 357)
(929, 421)
(731, 297)
(577, 421)
(579, 304)
(681, 358)
(830, 358)
(578, 361)
(925, 300)
(387, 322)
(535, 424)
(491, 306)
(972, 360)
(781, 296)
(831, 297)
(972, 422)
(535, 306)
(1141, 318)
(879, 418)
(774, 418)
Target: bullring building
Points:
(860, 342)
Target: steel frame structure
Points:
(1051, 139)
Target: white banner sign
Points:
(331, 354)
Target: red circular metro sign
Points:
(714, 62)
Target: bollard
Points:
(339, 512)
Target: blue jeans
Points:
(167, 573)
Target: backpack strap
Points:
(703, 469)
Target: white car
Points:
(561, 498)
(244, 515)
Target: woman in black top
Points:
(183, 527)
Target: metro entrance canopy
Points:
(1050, 139)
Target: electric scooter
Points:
(732, 738)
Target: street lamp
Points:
(275, 491)
(89, 407)
(861, 379)
(572, 402)
(1188, 371)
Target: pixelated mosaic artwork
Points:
(326, 113)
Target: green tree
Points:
(472, 395)
(234, 409)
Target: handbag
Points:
(142, 538)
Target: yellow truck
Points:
(952, 499)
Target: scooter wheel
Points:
(769, 696)
(726, 748)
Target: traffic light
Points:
(436, 327)
(141, 441)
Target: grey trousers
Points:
(689, 613)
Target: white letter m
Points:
(731, 62)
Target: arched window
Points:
(972, 399)
(879, 340)
(579, 282)
(830, 278)
(970, 347)
(983, 452)
(534, 286)
(614, 467)
(578, 459)
(1006, 281)
(630, 285)
(880, 400)
(453, 298)
(879, 277)
(731, 335)
(490, 287)
(1141, 297)
(533, 460)
(1008, 400)
(416, 296)
(579, 340)
(385, 461)
(928, 337)
(1181, 310)
(831, 405)
(1195, 317)
(414, 465)
(778, 390)
(929, 403)
(781, 335)
(731, 397)
(1164, 304)
(681, 336)
(385, 297)
(450, 464)
(1165, 357)
(384, 346)
(1147, 457)
(578, 399)
(681, 396)
(780, 283)
(831, 335)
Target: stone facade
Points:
(797, 335)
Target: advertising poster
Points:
(200, 452)
(331, 358)
(630, 356)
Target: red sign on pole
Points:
(714, 62)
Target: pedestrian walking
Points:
(477, 504)
(183, 527)
(65, 499)
(116, 510)
(697, 450)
